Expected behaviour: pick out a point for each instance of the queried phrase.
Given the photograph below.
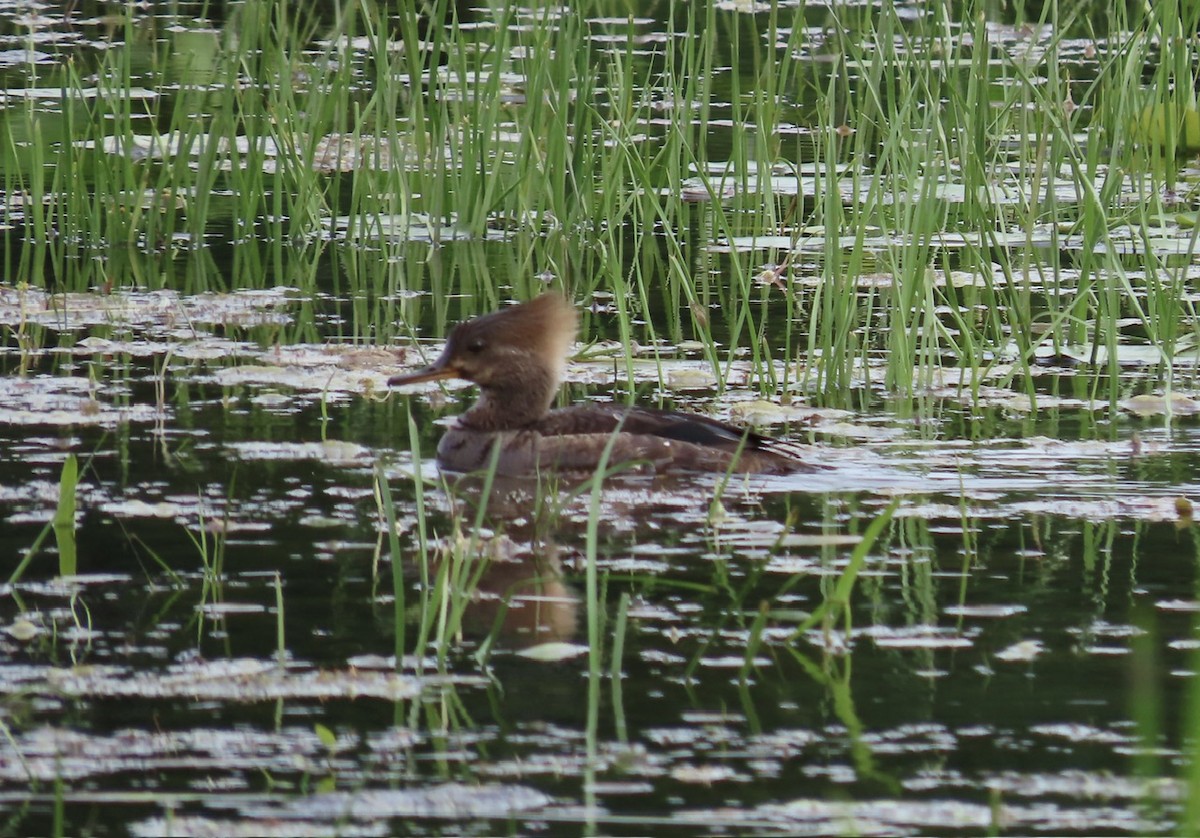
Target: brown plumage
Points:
(516, 356)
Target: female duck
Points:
(516, 356)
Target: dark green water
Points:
(1016, 656)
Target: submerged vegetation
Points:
(952, 244)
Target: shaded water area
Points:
(977, 615)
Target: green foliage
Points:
(616, 163)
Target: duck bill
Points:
(433, 372)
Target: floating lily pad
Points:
(236, 679)
(1147, 405)
(1024, 651)
(553, 652)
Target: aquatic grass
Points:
(833, 316)
(905, 90)
(838, 329)
(209, 541)
(400, 616)
(594, 609)
(15, 750)
(754, 640)
(260, 45)
(96, 194)
(19, 571)
(622, 84)
(298, 116)
(1189, 822)
(175, 579)
(400, 607)
(61, 524)
(975, 129)
(459, 133)
(1016, 117)
(837, 602)
(1169, 103)
(482, 185)
(973, 333)
(655, 209)
(1105, 290)
(63, 521)
(692, 64)
(59, 808)
(461, 563)
(1146, 709)
(1170, 97)
(589, 167)
(1087, 304)
(470, 563)
(616, 673)
(420, 56)
(25, 186)
(903, 82)
(120, 178)
(834, 675)
(208, 165)
(281, 647)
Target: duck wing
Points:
(666, 424)
(668, 439)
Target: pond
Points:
(939, 252)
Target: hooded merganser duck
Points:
(516, 356)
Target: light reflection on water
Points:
(982, 679)
(921, 712)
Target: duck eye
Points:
(476, 346)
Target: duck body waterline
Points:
(516, 356)
(573, 439)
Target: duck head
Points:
(515, 355)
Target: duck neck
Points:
(504, 408)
